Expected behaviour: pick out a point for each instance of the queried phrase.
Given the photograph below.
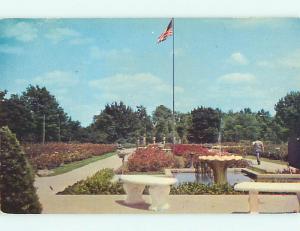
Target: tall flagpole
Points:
(173, 24)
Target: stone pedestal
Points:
(134, 193)
(159, 197)
(253, 201)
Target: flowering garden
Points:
(153, 160)
(52, 155)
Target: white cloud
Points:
(55, 78)
(60, 33)
(291, 60)
(141, 88)
(237, 78)
(239, 58)
(14, 50)
(21, 31)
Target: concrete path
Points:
(51, 185)
(114, 204)
(268, 166)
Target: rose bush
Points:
(52, 155)
(151, 158)
(184, 149)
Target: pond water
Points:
(233, 177)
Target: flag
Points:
(166, 33)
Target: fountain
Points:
(220, 162)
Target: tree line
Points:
(35, 116)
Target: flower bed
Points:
(185, 149)
(52, 155)
(151, 158)
(272, 151)
(190, 188)
(101, 184)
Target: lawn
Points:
(77, 164)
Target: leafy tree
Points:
(183, 124)
(144, 125)
(17, 192)
(205, 125)
(116, 123)
(18, 117)
(242, 125)
(25, 116)
(288, 113)
(43, 104)
(163, 123)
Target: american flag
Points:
(166, 33)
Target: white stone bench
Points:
(159, 189)
(255, 187)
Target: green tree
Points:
(163, 123)
(18, 194)
(288, 113)
(183, 124)
(25, 114)
(242, 125)
(18, 118)
(205, 125)
(116, 123)
(42, 104)
(144, 125)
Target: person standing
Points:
(258, 149)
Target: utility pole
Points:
(44, 128)
(59, 138)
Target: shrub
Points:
(52, 155)
(240, 164)
(100, 183)
(17, 193)
(272, 151)
(190, 188)
(185, 149)
(288, 171)
(151, 158)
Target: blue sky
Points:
(87, 63)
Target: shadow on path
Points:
(141, 206)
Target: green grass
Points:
(77, 164)
(267, 160)
(258, 170)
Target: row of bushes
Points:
(101, 183)
(185, 149)
(193, 188)
(272, 151)
(52, 155)
(154, 159)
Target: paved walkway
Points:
(178, 204)
(51, 185)
(268, 166)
